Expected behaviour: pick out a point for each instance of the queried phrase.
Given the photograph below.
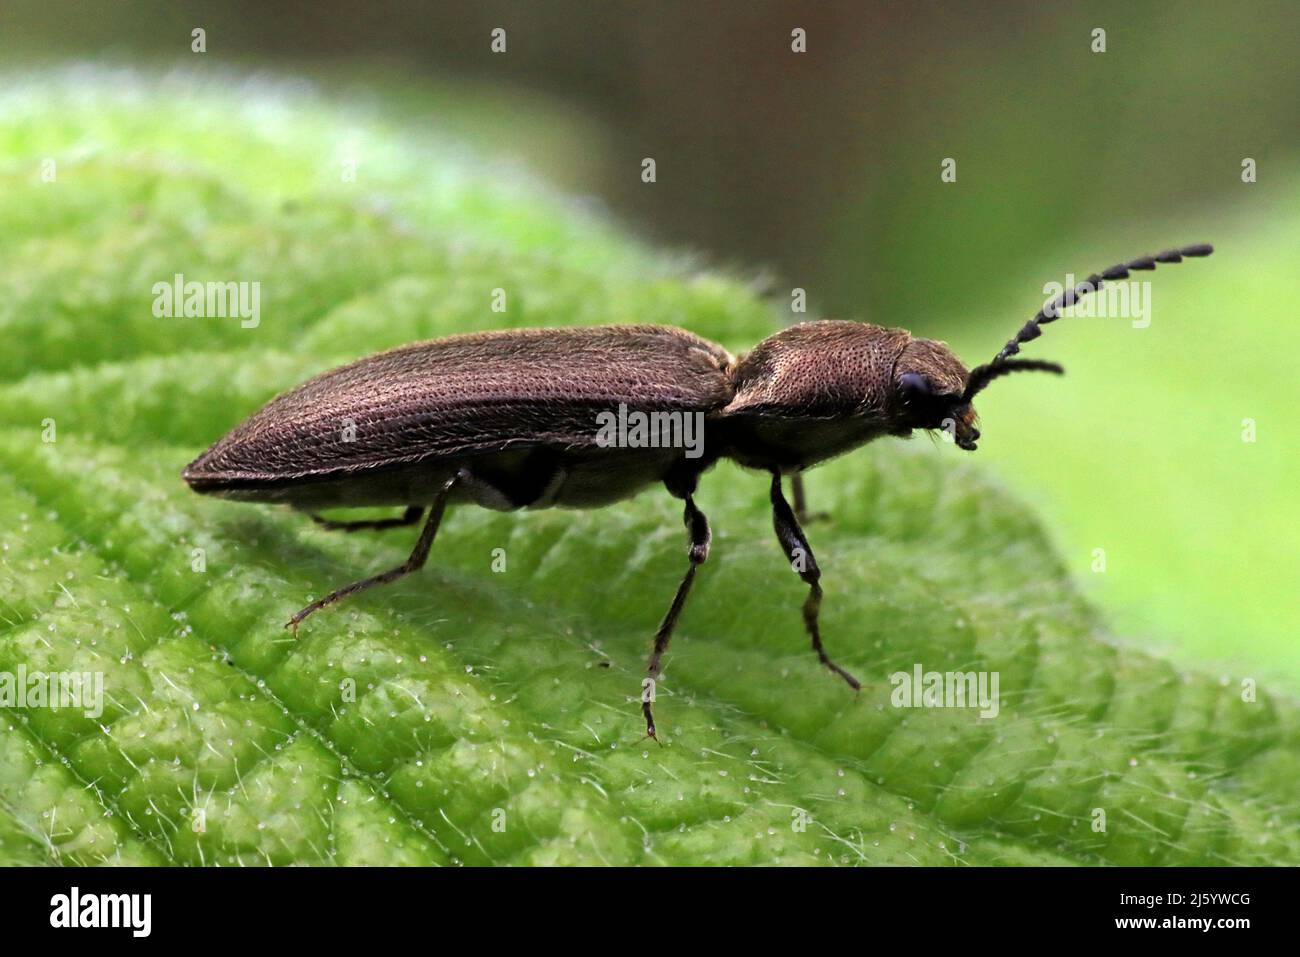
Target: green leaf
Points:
(495, 717)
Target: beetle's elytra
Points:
(509, 420)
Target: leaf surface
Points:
(466, 715)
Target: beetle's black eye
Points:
(914, 387)
(926, 408)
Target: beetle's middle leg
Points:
(801, 513)
(414, 563)
(801, 559)
(698, 528)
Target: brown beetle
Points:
(518, 419)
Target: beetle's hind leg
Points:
(801, 559)
(409, 517)
(414, 563)
(698, 528)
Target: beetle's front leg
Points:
(801, 559)
(698, 528)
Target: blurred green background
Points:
(821, 171)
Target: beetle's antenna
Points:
(983, 375)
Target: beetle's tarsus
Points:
(853, 682)
(811, 609)
(648, 711)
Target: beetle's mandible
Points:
(513, 419)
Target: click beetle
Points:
(511, 420)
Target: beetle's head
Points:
(934, 389)
(930, 384)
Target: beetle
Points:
(508, 420)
